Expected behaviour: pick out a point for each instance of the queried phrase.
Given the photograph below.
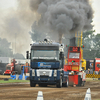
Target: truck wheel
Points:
(59, 85)
(32, 84)
(67, 83)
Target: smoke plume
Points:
(63, 16)
(46, 18)
(15, 26)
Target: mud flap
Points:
(79, 80)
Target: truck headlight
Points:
(55, 73)
(33, 72)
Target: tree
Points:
(5, 50)
(18, 56)
(91, 45)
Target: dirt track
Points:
(25, 92)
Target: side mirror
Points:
(60, 56)
(27, 54)
(30, 55)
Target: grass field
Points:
(13, 81)
(2, 77)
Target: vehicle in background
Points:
(93, 66)
(96, 66)
(74, 66)
(10, 67)
(15, 68)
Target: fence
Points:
(92, 76)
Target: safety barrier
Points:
(92, 76)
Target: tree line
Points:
(6, 51)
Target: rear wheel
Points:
(67, 83)
(32, 84)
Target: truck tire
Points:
(59, 84)
(32, 84)
(18, 69)
(66, 84)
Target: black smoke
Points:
(62, 16)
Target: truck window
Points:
(74, 55)
(98, 65)
(45, 54)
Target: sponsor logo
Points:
(43, 65)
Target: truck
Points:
(93, 66)
(77, 76)
(96, 66)
(47, 64)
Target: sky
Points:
(96, 19)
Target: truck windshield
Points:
(8, 67)
(74, 55)
(45, 54)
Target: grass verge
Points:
(13, 81)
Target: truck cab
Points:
(46, 62)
